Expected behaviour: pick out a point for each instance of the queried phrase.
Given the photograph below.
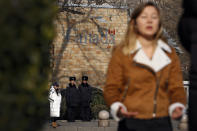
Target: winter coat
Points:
(86, 94)
(55, 102)
(188, 36)
(153, 85)
(72, 96)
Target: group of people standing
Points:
(144, 87)
(78, 99)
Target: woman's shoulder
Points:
(51, 90)
(169, 49)
(117, 50)
(171, 52)
(118, 47)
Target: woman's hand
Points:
(177, 113)
(123, 113)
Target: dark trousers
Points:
(85, 113)
(156, 124)
(72, 113)
(54, 119)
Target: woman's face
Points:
(56, 87)
(148, 22)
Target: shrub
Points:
(26, 33)
(98, 103)
(96, 109)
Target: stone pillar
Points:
(103, 118)
(183, 125)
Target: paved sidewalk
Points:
(80, 126)
(88, 126)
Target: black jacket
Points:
(72, 96)
(86, 94)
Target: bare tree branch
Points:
(71, 11)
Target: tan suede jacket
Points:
(153, 85)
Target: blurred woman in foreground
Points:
(144, 81)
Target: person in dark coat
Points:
(86, 91)
(72, 100)
(187, 30)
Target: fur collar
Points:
(159, 60)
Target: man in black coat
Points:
(188, 36)
(86, 94)
(72, 100)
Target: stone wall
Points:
(84, 42)
(86, 34)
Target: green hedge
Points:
(26, 30)
(98, 103)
